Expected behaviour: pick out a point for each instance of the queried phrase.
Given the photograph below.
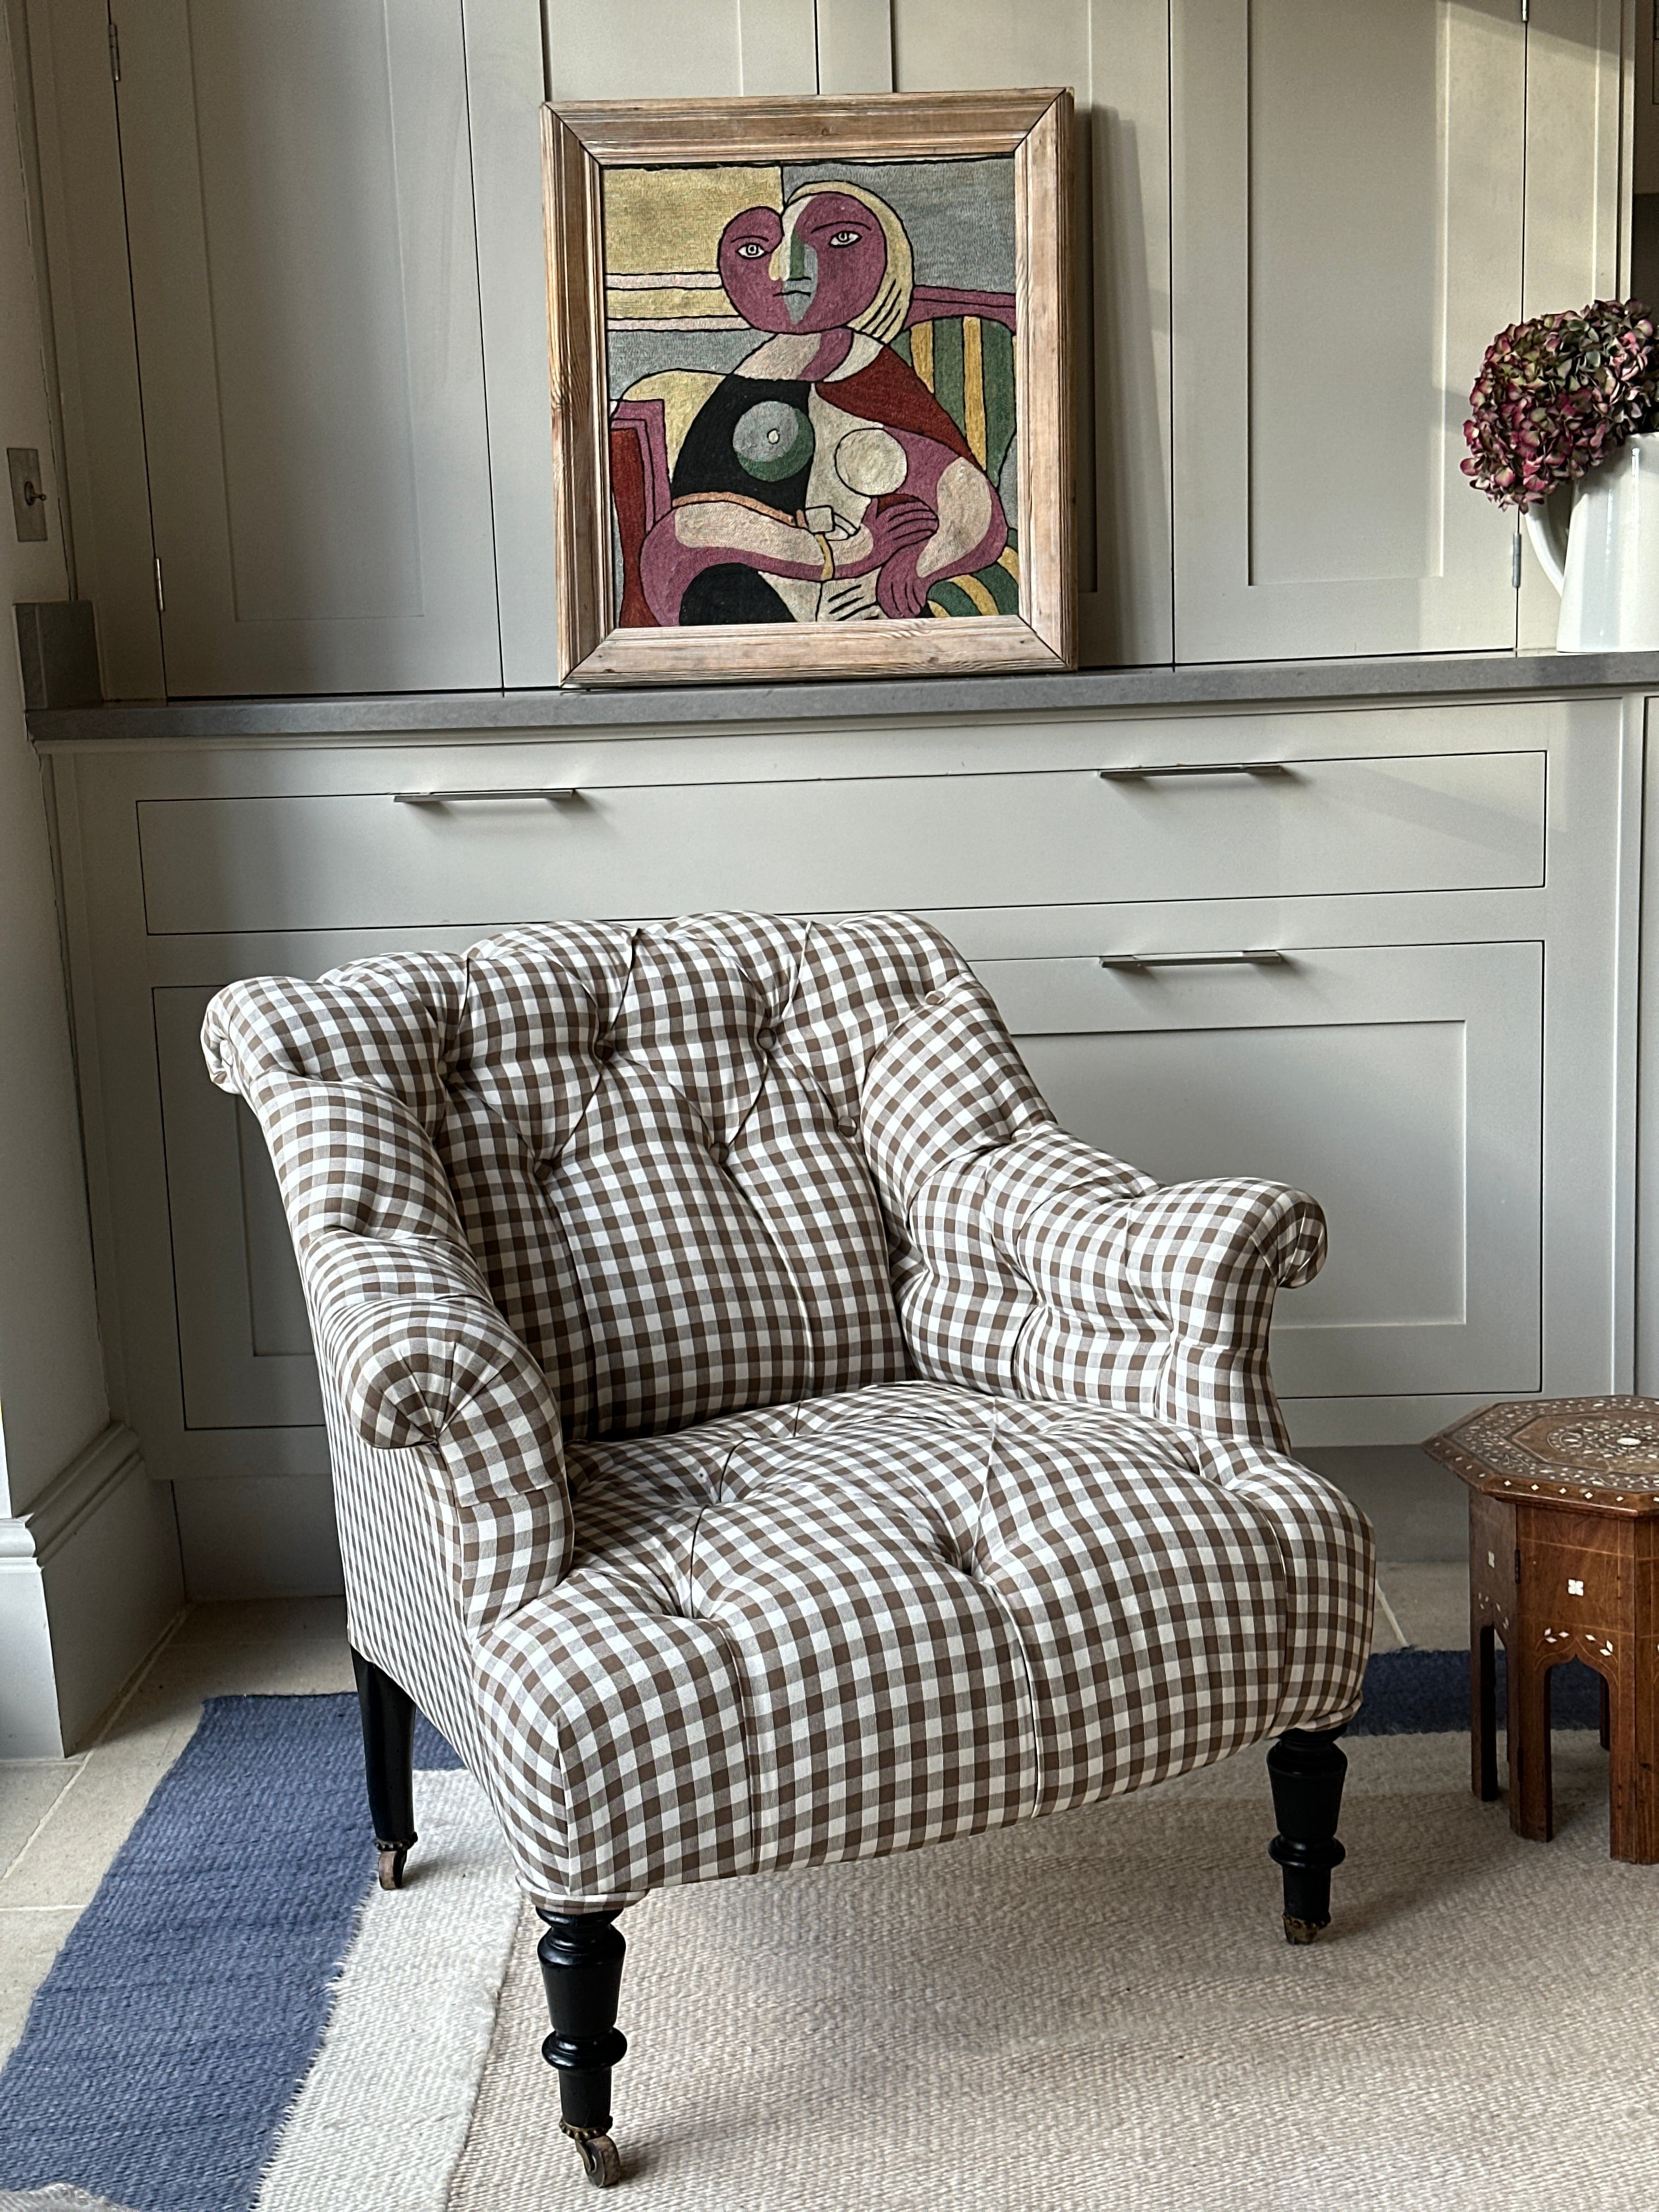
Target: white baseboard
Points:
(29, 1727)
(89, 1578)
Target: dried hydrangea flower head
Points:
(1557, 395)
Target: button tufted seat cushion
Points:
(825, 1631)
(760, 1435)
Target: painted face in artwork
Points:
(816, 267)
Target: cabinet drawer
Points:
(1288, 829)
(1399, 1085)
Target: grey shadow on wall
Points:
(1118, 389)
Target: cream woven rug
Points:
(1096, 2013)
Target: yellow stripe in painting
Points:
(977, 593)
(1009, 559)
(972, 386)
(667, 303)
(943, 614)
(921, 353)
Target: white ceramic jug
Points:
(1608, 570)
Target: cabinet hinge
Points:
(115, 53)
(1526, 11)
(161, 596)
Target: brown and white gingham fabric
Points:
(760, 1436)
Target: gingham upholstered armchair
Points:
(761, 1436)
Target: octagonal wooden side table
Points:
(1564, 1563)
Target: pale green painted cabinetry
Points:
(1442, 1051)
(321, 424)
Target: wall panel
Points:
(1347, 236)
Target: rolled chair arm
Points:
(1189, 1271)
(1193, 1249)
(421, 1360)
(424, 1373)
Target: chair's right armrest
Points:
(421, 1359)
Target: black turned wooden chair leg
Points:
(388, 1718)
(1307, 1769)
(581, 1957)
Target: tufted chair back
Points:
(681, 1155)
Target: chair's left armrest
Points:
(1173, 1289)
(1045, 1268)
(422, 1367)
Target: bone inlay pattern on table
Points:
(1564, 1563)
(1610, 1448)
(1578, 1448)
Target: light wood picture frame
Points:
(685, 505)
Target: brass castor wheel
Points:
(599, 2158)
(390, 1864)
(1303, 1931)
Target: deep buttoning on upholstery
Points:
(760, 1434)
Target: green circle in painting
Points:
(773, 440)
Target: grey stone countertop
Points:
(1200, 685)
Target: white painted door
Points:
(1399, 1085)
(301, 218)
(1347, 238)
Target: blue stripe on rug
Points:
(164, 2047)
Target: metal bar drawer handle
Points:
(497, 791)
(1261, 956)
(1192, 768)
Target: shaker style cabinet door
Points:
(245, 1356)
(1347, 238)
(301, 221)
(666, 50)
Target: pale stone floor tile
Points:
(28, 1789)
(290, 1647)
(68, 1855)
(28, 1944)
(225, 1621)
(1429, 1600)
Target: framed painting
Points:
(810, 380)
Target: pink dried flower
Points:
(1557, 395)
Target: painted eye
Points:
(845, 237)
(750, 251)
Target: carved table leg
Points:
(1633, 1747)
(581, 1958)
(388, 1718)
(1532, 1803)
(1483, 1711)
(1492, 1557)
(1306, 1768)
